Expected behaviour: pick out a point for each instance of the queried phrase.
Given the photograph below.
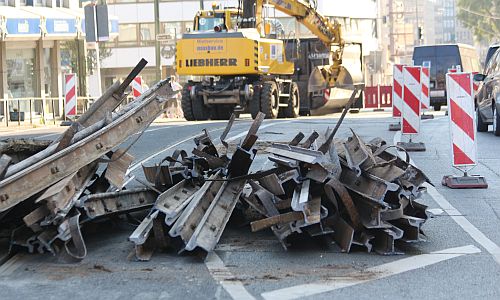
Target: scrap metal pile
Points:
(351, 192)
(348, 191)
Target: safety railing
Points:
(36, 110)
(31, 111)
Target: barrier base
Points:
(426, 117)
(464, 182)
(395, 127)
(412, 147)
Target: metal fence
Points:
(41, 111)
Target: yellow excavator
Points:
(237, 60)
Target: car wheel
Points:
(481, 126)
(496, 122)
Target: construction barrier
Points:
(462, 124)
(70, 94)
(460, 96)
(385, 96)
(411, 100)
(137, 86)
(397, 91)
(425, 98)
(371, 97)
(378, 96)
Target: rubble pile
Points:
(349, 191)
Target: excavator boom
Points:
(328, 32)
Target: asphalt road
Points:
(460, 259)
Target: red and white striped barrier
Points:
(460, 93)
(137, 86)
(70, 94)
(397, 91)
(411, 100)
(425, 98)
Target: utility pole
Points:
(416, 20)
(201, 5)
(157, 42)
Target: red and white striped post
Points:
(460, 94)
(70, 95)
(397, 96)
(412, 91)
(425, 97)
(137, 86)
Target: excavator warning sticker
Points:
(210, 45)
(273, 52)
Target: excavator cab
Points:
(216, 20)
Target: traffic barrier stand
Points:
(411, 108)
(397, 96)
(460, 94)
(425, 96)
(69, 99)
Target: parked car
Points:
(491, 50)
(488, 96)
(442, 58)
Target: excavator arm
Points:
(328, 32)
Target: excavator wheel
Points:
(200, 111)
(293, 108)
(254, 105)
(186, 103)
(269, 103)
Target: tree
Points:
(482, 17)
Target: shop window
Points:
(147, 34)
(21, 72)
(128, 35)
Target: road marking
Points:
(219, 272)
(382, 271)
(457, 216)
(12, 264)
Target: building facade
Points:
(137, 30)
(36, 46)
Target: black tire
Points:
(496, 122)
(481, 126)
(437, 107)
(200, 111)
(254, 105)
(269, 102)
(293, 108)
(186, 105)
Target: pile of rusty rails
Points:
(44, 186)
(349, 193)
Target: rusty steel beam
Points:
(20, 186)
